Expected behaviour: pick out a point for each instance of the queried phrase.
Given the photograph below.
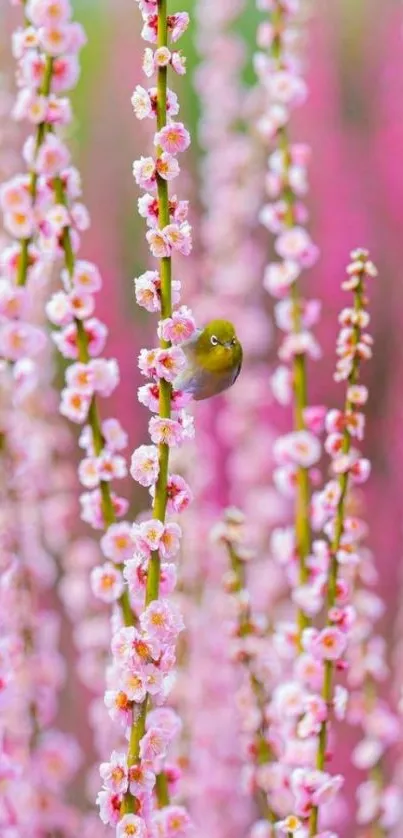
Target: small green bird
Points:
(214, 356)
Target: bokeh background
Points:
(354, 122)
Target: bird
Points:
(214, 360)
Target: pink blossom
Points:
(286, 88)
(162, 621)
(357, 394)
(367, 753)
(134, 686)
(291, 825)
(173, 138)
(115, 436)
(329, 644)
(159, 245)
(59, 310)
(105, 375)
(79, 377)
(168, 577)
(178, 493)
(146, 362)
(281, 385)
(178, 328)
(162, 56)
(279, 277)
(48, 12)
(149, 64)
(107, 582)
(66, 70)
(147, 289)
(14, 195)
(285, 480)
(115, 773)
(14, 302)
(144, 172)
(309, 598)
(177, 25)
(119, 707)
(141, 779)
(141, 103)
(74, 404)
(165, 431)
(299, 447)
(86, 277)
(340, 701)
(296, 245)
(314, 417)
(144, 465)
(167, 166)
(147, 535)
(148, 208)
(20, 223)
(170, 540)
(179, 237)
(131, 826)
(153, 744)
(88, 473)
(109, 807)
(52, 157)
(117, 543)
(178, 62)
(82, 305)
(111, 466)
(361, 470)
(148, 395)
(300, 343)
(288, 699)
(169, 363)
(174, 821)
(96, 334)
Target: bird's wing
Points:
(238, 369)
(188, 379)
(188, 346)
(237, 372)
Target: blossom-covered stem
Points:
(40, 135)
(165, 391)
(376, 774)
(144, 655)
(359, 302)
(246, 628)
(160, 501)
(299, 375)
(108, 512)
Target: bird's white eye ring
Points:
(233, 341)
(214, 340)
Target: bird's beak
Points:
(228, 344)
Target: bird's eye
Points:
(233, 341)
(214, 340)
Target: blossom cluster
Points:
(378, 798)
(143, 555)
(278, 67)
(47, 52)
(227, 463)
(251, 648)
(43, 212)
(303, 707)
(38, 761)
